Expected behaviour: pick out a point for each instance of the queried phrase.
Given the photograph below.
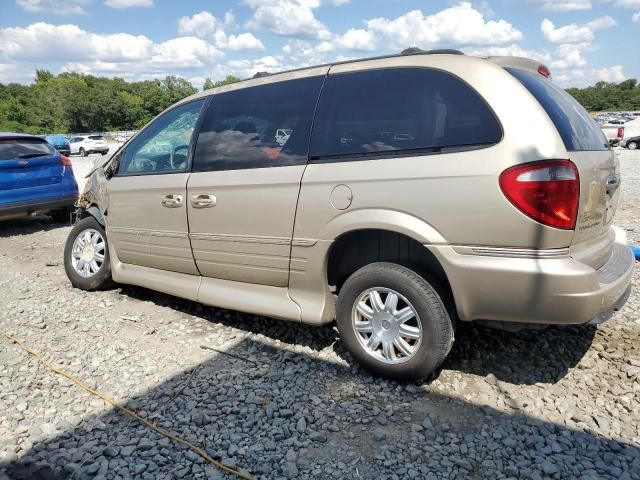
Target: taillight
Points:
(620, 132)
(546, 191)
(544, 71)
(66, 161)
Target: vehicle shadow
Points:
(245, 408)
(544, 355)
(29, 225)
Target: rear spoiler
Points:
(523, 64)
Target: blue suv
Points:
(60, 142)
(34, 178)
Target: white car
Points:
(87, 144)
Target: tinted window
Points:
(21, 148)
(258, 127)
(96, 137)
(164, 145)
(575, 126)
(405, 109)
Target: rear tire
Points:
(97, 275)
(632, 145)
(406, 338)
(83, 152)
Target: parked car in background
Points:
(85, 145)
(395, 211)
(632, 143)
(60, 143)
(34, 178)
(614, 133)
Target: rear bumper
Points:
(551, 290)
(39, 206)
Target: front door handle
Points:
(171, 200)
(203, 201)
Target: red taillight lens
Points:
(544, 71)
(546, 191)
(620, 132)
(66, 161)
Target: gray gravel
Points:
(283, 401)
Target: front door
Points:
(147, 212)
(243, 191)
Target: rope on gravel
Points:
(131, 413)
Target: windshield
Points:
(574, 124)
(20, 148)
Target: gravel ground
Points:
(280, 400)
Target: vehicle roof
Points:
(10, 135)
(506, 61)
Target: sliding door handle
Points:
(203, 201)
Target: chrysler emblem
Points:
(23, 163)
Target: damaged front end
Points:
(94, 199)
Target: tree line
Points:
(73, 102)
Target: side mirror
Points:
(113, 167)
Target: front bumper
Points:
(37, 206)
(547, 290)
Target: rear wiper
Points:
(32, 155)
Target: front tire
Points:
(632, 145)
(83, 152)
(86, 256)
(393, 322)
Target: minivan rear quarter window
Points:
(389, 111)
(574, 124)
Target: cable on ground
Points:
(199, 451)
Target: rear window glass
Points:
(411, 110)
(96, 137)
(574, 124)
(56, 139)
(22, 148)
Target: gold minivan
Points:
(409, 192)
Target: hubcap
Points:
(386, 325)
(87, 254)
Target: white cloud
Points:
(569, 55)
(636, 17)
(118, 54)
(46, 42)
(513, 50)
(184, 52)
(563, 5)
(245, 41)
(357, 39)
(611, 74)
(458, 25)
(573, 33)
(291, 18)
(57, 7)
(128, 3)
(628, 3)
(204, 25)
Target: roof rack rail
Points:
(437, 51)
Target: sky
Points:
(582, 41)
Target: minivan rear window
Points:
(24, 148)
(578, 130)
(96, 137)
(399, 111)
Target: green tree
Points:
(208, 84)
